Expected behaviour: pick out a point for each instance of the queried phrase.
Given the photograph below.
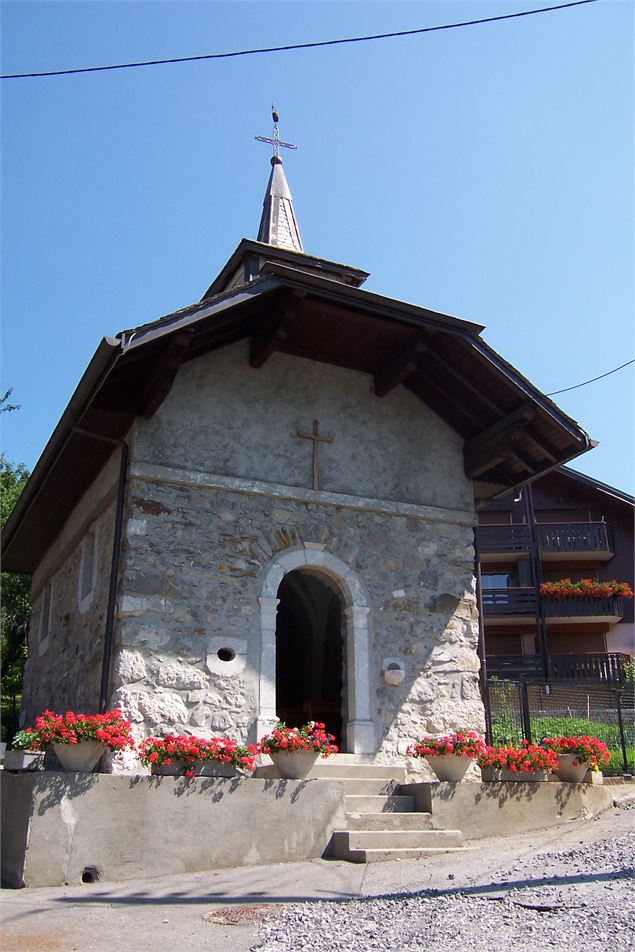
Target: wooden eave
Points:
(512, 432)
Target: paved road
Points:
(222, 910)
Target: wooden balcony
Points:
(503, 543)
(575, 540)
(558, 610)
(585, 669)
(503, 606)
(557, 542)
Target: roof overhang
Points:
(513, 433)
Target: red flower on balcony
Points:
(585, 588)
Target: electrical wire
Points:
(592, 380)
(296, 46)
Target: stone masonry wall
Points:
(194, 562)
(65, 672)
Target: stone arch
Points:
(360, 728)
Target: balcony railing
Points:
(587, 668)
(575, 537)
(501, 602)
(557, 538)
(610, 608)
(503, 538)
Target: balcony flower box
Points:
(585, 588)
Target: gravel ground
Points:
(582, 899)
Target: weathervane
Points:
(275, 140)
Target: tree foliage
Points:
(16, 608)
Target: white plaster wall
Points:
(621, 638)
(224, 417)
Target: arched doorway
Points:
(310, 652)
(358, 726)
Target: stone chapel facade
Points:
(263, 507)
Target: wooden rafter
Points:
(272, 334)
(398, 368)
(162, 374)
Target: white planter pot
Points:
(23, 760)
(450, 767)
(79, 758)
(570, 772)
(491, 774)
(294, 764)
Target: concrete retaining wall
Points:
(55, 825)
(500, 809)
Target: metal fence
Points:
(518, 710)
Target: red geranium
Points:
(461, 744)
(527, 758)
(109, 729)
(311, 736)
(585, 588)
(191, 751)
(587, 750)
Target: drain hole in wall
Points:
(90, 874)
(226, 654)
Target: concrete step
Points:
(344, 842)
(333, 769)
(369, 786)
(385, 855)
(377, 804)
(388, 821)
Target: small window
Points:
(87, 569)
(498, 580)
(46, 614)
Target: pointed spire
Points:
(278, 225)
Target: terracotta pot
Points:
(540, 776)
(570, 772)
(79, 758)
(294, 764)
(23, 760)
(450, 767)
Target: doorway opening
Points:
(310, 656)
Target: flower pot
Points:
(294, 764)
(213, 768)
(491, 774)
(175, 769)
(82, 757)
(570, 772)
(449, 767)
(539, 776)
(23, 760)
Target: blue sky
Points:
(485, 172)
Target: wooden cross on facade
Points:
(316, 438)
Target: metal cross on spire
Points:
(275, 140)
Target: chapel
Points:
(262, 507)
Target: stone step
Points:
(369, 786)
(388, 821)
(333, 769)
(357, 803)
(385, 855)
(344, 842)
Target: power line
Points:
(295, 46)
(593, 379)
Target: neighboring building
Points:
(208, 556)
(564, 525)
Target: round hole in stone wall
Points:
(226, 654)
(90, 874)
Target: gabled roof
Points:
(600, 487)
(512, 432)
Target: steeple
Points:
(278, 225)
